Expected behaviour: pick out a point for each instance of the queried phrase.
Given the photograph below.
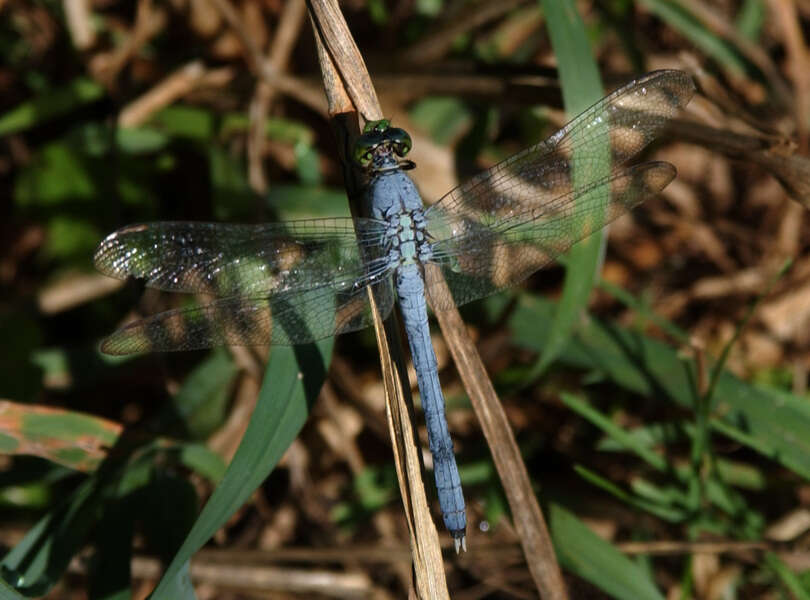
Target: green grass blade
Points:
(788, 578)
(7, 593)
(680, 20)
(38, 560)
(281, 411)
(651, 505)
(581, 87)
(587, 555)
(623, 437)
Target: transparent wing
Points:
(567, 183)
(226, 260)
(488, 259)
(285, 319)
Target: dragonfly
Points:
(301, 281)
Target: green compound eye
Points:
(399, 139)
(364, 147)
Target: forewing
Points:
(226, 260)
(487, 259)
(284, 319)
(623, 122)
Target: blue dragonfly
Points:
(301, 281)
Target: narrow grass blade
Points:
(291, 383)
(661, 511)
(788, 578)
(680, 20)
(7, 593)
(771, 422)
(581, 87)
(621, 436)
(50, 105)
(35, 564)
(587, 555)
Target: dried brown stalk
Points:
(289, 26)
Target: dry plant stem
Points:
(518, 90)
(175, 86)
(333, 32)
(664, 547)
(341, 63)
(148, 22)
(74, 291)
(438, 43)
(289, 26)
(790, 169)
(526, 514)
(259, 578)
(78, 19)
(296, 88)
(799, 63)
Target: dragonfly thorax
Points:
(405, 238)
(394, 199)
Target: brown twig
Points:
(799, 63)
(301, 90)
(149, 21)
(78, 20)
(671, 548)
(265, 579)
(174, 87)
(774, 155)
(438, 43)
(289, 26)
(74, 291)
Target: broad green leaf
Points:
(292, 381)
(140, 140)
(201, 402)
(49, 105)
(200, 459)
(62, 436)
(618, 434)
(307, 202)
(57, 175)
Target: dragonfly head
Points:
(379, 146)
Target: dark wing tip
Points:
(679, 85)
(655, 175)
